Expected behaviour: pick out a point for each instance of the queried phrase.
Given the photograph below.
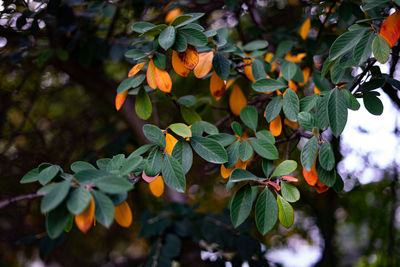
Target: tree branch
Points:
(9, 201)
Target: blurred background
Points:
(60, 65)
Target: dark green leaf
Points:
(223, 138)
(288, 69)
(267, 167)
(265, 149)
(78, 200)
(237, 128)
(266, 211)
(153, 163)
(242, 201)
(160, 60)
(255, 45)
(46, 175)
(154, 135)
(291, 106)
(194, 37)
(240, 175)
(209, 149)
(221, 65)
(81, 165)
(233, 154)
(143, 105)
(104, 211)
(326, 177)
(381, 49)
(308, 153)
(56, 220)
(55, 196)
(268, 85)
(266, 135)
(337, 111)
(131, 82)
(249, 116)
(273, 108)
(245, 151)
(258, 70)
(31, 176)
(167, 37)
(372, 103)
(173, 174)
(345, 43)
(113, 184)
(325, 156)
(180, 44)
(184, 154)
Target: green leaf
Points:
(372, 103)
(273, 108)
(240, 175)
(337, 111)
(381, 49)
(56, 221)
(249, 116)
(184, 154)
(265, 149)
(339, 185)
(194, 17)
(267, 167)
(167, 38)
(286, 213)
(31, 176)
(187, 100)
(284, 168)
(266, 211)
(153, 163)
(199, 127)
(131, 82)
(322, 118)
(289, 192)
(326, 177)
(268, 85)
(81, 165)
(237, 128)
(241, 204)
(223, 138)
(363, 50)
(178, 20)
(143, 105)
(245, 151)
(266, 135)
(113, 184)
(255, 45)
(55, 196)
(221, 65)
(154, 135)
(173, 174)
(288, 69)
(306, 120)
(78, 200)
(181, 129)
(190, 116)
(351, 100)
(104, 211)
(194, 37)
(160, 60)
(209, 149)
(46, 175)
(308, 103)
(308, 153)
(233, 154)
(180, 44)
(283, 48)
(345, 43)
(135, 54)
(131, 164)
(142, 26)
(258, 69)
(140, 151)
(291, 105)
(325, 156)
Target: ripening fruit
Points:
(123, 214)
(204, 65)
(390, 29)
(120, 99)
(157, 186)
(135, 69)
(305, 28)
(84, 221)
(275, 127)
(237, 100)
(170, 142)
(172, 14)
(217, 86)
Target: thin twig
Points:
(9, 201)
(321, 28)
(366, 70)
